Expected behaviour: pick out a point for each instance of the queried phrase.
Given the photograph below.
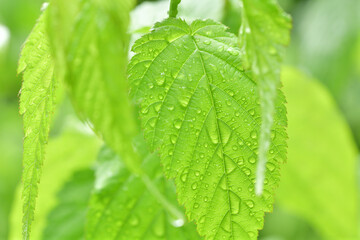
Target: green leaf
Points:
(264, 33)
(96, 70)
(201, 111)
(37, 102)
(67, 220)
(65, 154)
(319, 183)
(122, 207)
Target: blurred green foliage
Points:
(325, 45)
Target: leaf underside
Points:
(122, 208)
(36, 107)
(264, 33)
(96, 71)
(201, 111)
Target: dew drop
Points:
(250, 203)
(252, 160)
(235, 203)
(160, 81)
(152, 122)
(177, 123)
(194, 186)
(270, 166)
(173, 138)
(171, 107)
(253, 135)
(159, 229)
(157, 106)
(246, 170)
(134, 221)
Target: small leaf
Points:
(121, 207)
(37, 102)
(264, 33)
(96, 55)
(200, 109)
(319, 183)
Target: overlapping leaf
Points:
(264, 33)
(36, 106)
(122, 208)
(96, 60)
(319, 182)
(67, 220)
(200, 109)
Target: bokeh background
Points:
(318, 195)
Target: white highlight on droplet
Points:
(178, 223)
(44, 6)
(4, 35)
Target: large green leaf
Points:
(96, 60)
(36, 106)
(264, 33)
(67, 220)
(200, 109)
(121, 206)
(319, 181)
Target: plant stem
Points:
(173, 8)
(173, 210)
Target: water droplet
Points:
(160, 81)
(184, 174)
(160, 96)
(134, 221)
(246, 170)
(157, 106)
(194, 186)
(173, 138)
(159, 229)
(235, 203)
(178, 223)
(152, 122)
(184, 101)
(235, 148)
(270, 166)
(145, 110)
(197, 173)
(240, 142)
(202, 219)
(207, 42)
(150, 85)
(252, 112)
(177, 123)
(272, 50)
(221, 48)
(206, 199)
(171, 107)
(171, 152)
(253, 135)
(233, 51)
(196, 205)
(252, 160)
(223, 183)
(250, 203)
